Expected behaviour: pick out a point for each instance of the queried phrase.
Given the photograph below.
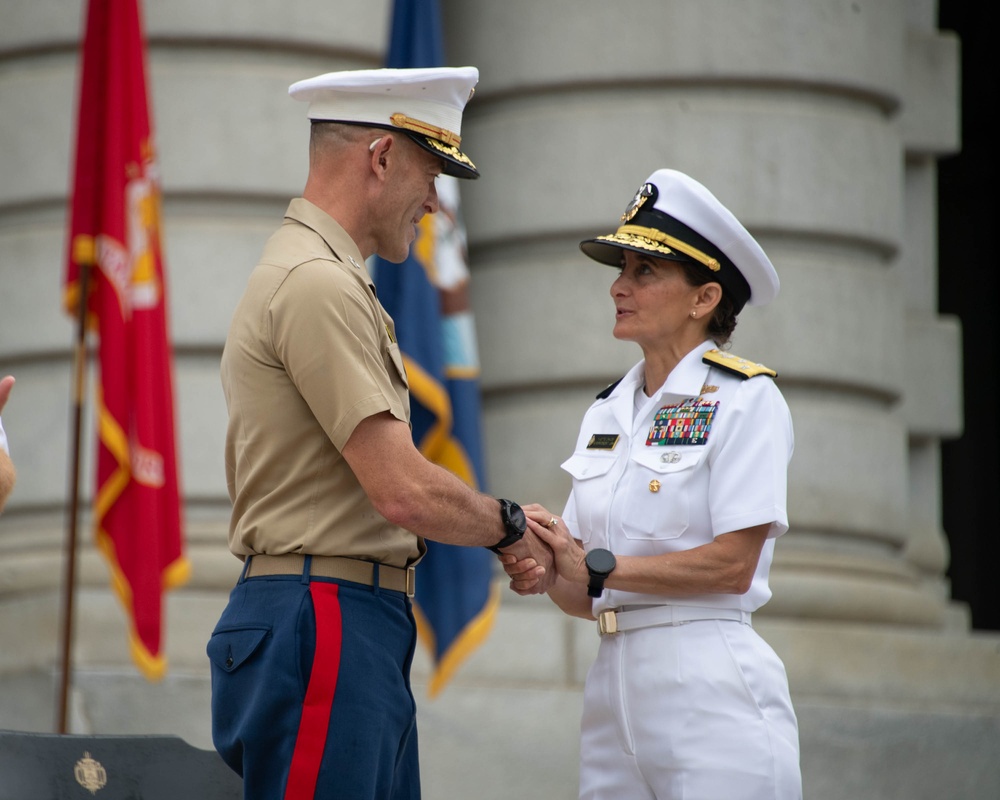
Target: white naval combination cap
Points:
(673, 216)
(426, 104)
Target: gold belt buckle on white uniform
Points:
(607, 622)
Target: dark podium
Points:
(42, 766)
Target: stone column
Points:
(232, 150)
(818, 124)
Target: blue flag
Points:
(428, 298)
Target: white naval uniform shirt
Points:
(736, 479)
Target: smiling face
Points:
(410, 193)
(654, 304)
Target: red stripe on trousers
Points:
(311, 739)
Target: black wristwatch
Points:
(600, 563)
(513, 522)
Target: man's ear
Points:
(380, 150)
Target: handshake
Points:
(547, 553)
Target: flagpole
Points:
(69, 581)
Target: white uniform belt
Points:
(398, 579)
(615, 620)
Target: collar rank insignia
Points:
(687, 422)
(603, 441)
(646, 191)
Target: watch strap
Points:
(515, 531)
(506, 541)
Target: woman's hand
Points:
(569, 553)
(525, 573)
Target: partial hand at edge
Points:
(5, 386)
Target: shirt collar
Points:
(687, 378)
(346, 251)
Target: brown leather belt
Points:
(396, 579)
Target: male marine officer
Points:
(331, 500)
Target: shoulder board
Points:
(736, 365)
(603, 394)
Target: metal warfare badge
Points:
(646, 191)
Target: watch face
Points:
(513, 517)
(600, 561)
(517, 517)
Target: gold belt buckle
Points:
(607, 622)
(411, 581)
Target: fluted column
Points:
(818, 124)
(232, 149)
(806, 149)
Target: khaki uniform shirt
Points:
(310, 353)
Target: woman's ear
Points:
(707, 298)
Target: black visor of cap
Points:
(728, 276)
(456, 163)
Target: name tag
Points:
(603, 441)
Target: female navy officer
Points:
(679, 484)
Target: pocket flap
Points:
(584, 465)
(668, 459)
(228, 649)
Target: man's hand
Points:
(527, 572)
(530, 565)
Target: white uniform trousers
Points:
(697, 711)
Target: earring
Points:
(694, 315)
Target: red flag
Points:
(115, 234)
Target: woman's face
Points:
(653, 301)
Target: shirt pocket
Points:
(659, 486)
(591, 490)
(396, 357)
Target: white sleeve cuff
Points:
(3, 440)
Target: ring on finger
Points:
(551, 523)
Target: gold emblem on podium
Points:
(90, 774)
